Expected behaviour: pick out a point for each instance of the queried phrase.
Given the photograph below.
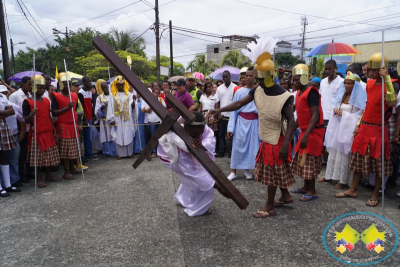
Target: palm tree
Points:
(235, 59)
(126, 41)
(200, 64)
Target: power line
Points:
(31, 22)
(353, 14)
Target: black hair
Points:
(173, 82)
(206, 85)
(331, 62)
(340, 74)
(365, 63)
(354, 68)
(25, 79)
(198, 117)
(251, 68)
(85, 78)
(227, 72)
(286, 80)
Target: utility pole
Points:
(4, 46)
(12, 53)
(67, 48)
(304, 23)
(157, 42)
(171, 52)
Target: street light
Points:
(12, 53)
(67, 48)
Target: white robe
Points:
(196, 191)
(105, 132)
(123, 132)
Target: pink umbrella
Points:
(198, 75)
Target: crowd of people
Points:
(276, 126)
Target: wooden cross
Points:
(169, 122)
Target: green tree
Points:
(126, 41)
(320, 67)
(287, 60)
(179, 69)
(235, 59)
(95, 65)
(200, 64)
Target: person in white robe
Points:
(349, 106)
(122, 114)
(100, 110)
(196, 191)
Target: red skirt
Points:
(66, 130)
(44, 140)
(315, 145)
(369, 138)
(270, 170)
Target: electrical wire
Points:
(32, 17)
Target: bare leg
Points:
(269, 206)
(286, 196)
(65, 163)
(352, 191)
(378, 185)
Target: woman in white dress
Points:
(349, 106)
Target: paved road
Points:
(119, 216)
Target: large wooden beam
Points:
(162, 112)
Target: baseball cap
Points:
(74, 82)
(207, 78)
(180, 82)
(3, 89)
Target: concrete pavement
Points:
(119, 216)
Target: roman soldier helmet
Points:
(260, 54)
(62, 77)
(302, 70)
(37, 80)
(375, 61)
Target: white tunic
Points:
(196, 191)
(105, 129)
(124, 131)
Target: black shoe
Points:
(367, 185)
(12, 189)
(4, 193)
(26, 180)
(17, 184)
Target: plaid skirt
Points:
(367, 164)
(277, 174)
(311, 168)
(6, 137)
(68, 148)
(47, 158)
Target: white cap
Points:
(3, 88)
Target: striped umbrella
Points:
(333, 49)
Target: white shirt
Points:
(12, 120)
(208, 103)
(152, 116)
(18, 97)
(225, 96)
(46, 95)
(328, 93)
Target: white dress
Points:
(338, 140)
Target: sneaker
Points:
(248, 175)
(232, 176)
(83, 167)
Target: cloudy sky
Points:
(344, 21)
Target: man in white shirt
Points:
(47, 79)
(13, 154)
(225, 96)
(329, 88)
(18, 97)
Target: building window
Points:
(216, 50)
(227, 48)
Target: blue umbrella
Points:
(217, 74)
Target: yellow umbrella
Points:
(70, 75)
